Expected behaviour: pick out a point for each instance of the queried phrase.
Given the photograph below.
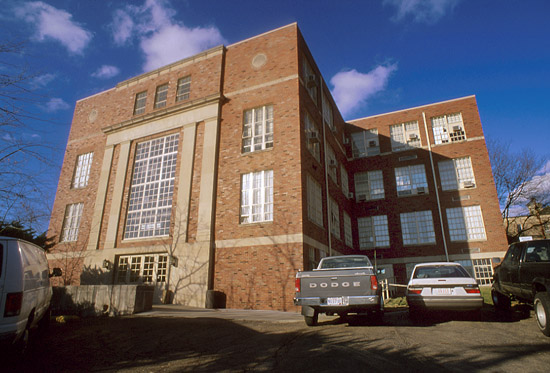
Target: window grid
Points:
(257, 197)
(71, 222)
(314, 201)
(369, 185)
(456, 174)
(161, 96)
(332, 164)
(483, 271)
(417, 228)
(365, 143)
(184, 89)
(313, 138)
(327, 112)
(149, 268)
(344, 180)
(411, 180)
(466, 223)
(335, 218)
(139, 106)
(309, 75)
(152, 188)
(373, 232)
(258, 129)
(405, 136)
(82, 171)
(448, 128)
(347, 230)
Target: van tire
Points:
(541, 306)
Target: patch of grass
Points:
(486, 294)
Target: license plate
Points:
(441, 291)
(337, 301)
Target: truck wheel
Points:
(542, 312)
(312, 320)
(500, 301)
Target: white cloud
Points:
(352, 89)
(43, 80)
(56, 104)
(162, 39)
(55, 24)
(425, 11)
(106, 72)
(545, 169)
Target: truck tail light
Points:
(373, 282)
(298, 285)
(13, 304)
(414, 290)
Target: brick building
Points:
(232, 169)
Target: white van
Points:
(25, 290)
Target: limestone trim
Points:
(95, 227)
(263, 85)
(283, 239)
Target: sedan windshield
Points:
(440, 272)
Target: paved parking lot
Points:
(175, 339)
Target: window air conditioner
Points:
(413, 136)
(469, 184)
(311, 81)
(361, 197)
(350, 195)
(346, 140)
(420, 190)
(332, 162)
(313, 136)
(457, 128)
(372, 144)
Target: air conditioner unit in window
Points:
(413, 136)
(372, 144)
(420, 190)
(361, 197)
(457, 128)
(469, 184)
(346, 140)
(350, 195)
(332, 163)
(313, 136)
(404, 192)
(311, 81)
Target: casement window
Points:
(258, 129)
(82, 170)
(483, 271)
(411, 180)
(313, 137)
(373, 232)
(369, 185)
(334, 214)
(184, 89)
(347, 230)
(448, 128)
(466, 223)
(141, 100)
(148, 269)
(71, 222)
(310, 79)
(161, 96)
(332, 164)
(417, 228)
(327, 113)
(456, 174)
(257, 197)
(345, 181)
(152, 188)
(314, 201)
(365, 143)
(405, 136)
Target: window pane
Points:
(258, 129)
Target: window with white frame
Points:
(184, 89)
(334, 217)
(258, 129)
(257, 197)
(332, 164)
(71, 222)
(314, 201)
(327, 112)
(448, 128)
(152, 188)
(347, 230)
(310, 79)
(456, 174)
(313, 137)
(405, 136)
(344, 181)
(411, 180)
(147, 268)
(161, 96)
(365, 143)
(141, 100)
(369, 185)
(466, 223)
(483, 269)
(417, 228)
(373, 232)
(82, 170)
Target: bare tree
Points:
(519, 183)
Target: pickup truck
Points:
(340, 285)
(524, 275)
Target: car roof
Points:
(437, 264)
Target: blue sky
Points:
(377, 56)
